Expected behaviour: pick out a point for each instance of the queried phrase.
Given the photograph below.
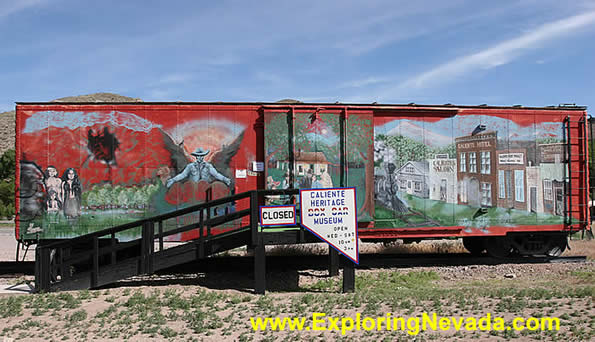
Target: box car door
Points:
(415, 159)
(314, 148)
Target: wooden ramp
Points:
(101, 258)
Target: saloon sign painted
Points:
(331, 215)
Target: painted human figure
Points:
(271, 184)
(306, 182)
(52, 182)
(199, 170)
(53, 203)
(71, 193)
(285, 182)
(317, 184)
(326, 179)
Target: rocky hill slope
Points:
(7, 131)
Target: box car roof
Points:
(304, 104)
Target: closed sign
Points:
(277, 215)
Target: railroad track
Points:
(367, 261)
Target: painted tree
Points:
(359, 134)
(359, 131)
(304, 133)
(123, 199)
(104, 195)
(276, 137)
(450, 149)
(407, 149)
(320, 133)
(139, 199)
(90, 198)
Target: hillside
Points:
(7, 119)
(98, 97)
(7, 131)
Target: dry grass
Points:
(581, 247)
(430, 246)
(427, 246)
(191, 312)
(422, 247)
(298, 250)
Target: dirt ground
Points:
(218, 306)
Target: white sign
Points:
(241, 173)
(331, 214)
(511, 158)
(257, 166)
(277, 215)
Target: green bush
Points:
(7, 180)
(7, 165)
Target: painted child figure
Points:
(54, 204)
(53, 182)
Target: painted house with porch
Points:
(303, 162)
(412, 178)
(316, 161)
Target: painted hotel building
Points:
(476, 169)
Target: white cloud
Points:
(271, 78)
(173, 78)
(363, 82)
(12, 6)
(160, 95)
(502, 53)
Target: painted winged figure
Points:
(201, 170)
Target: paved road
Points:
(8, 244)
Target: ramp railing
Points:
(101, 257)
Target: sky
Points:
(527, 52)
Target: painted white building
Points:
(534, 190)
(315, 161)
(442, 179)
(551, 172)
(304, 161)
(412, 178)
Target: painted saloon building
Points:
(443, 178)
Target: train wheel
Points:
(556, 246)
(475, 245)
(499, 246)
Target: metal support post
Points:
(259, 267)
(18, 247)
(95, 270)
(348, 275)
(201, 236)
(333, 262)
